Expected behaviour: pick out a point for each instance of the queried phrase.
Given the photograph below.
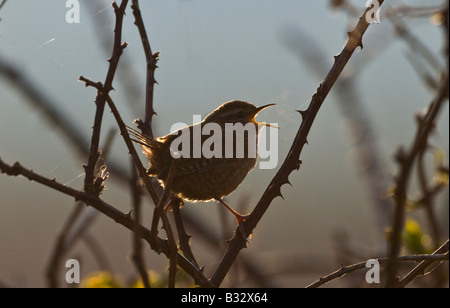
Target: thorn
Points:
(303, 113)
(280, 194)
(299, 163)
(128, 214)
(336, 57)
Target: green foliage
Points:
(414, 238)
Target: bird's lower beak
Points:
(258, 110)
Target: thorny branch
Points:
(438, 256)
(173, 253)
(137, 245)
(152, 59)
(406, 161)
(123, 219)
(75, 228)
(292, 161)
(90, 182)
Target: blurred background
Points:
(262, 51)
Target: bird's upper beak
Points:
(259, 109)
(263, 107)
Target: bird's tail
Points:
(143, 140)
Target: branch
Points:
(292, 161)
(38, 98)
(420, 269)
(1, 5)
(137, 245)
(159, 213)
(406, 161)
(74, 228)
(123, 219)
(351, 268)
(60, 246)
(102, 93)
(183, 237)
(151, 59)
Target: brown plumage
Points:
(204, 178)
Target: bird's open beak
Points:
(259, 109)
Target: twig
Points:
(74, 228)
(406, 161)
(173, 250)
(428, 196)
(351, 268)
(292, 160)
(96, 249)
(123, 219)
(89, 182)
(152, 60)
(127, 76)
(160, 202)
(363, 134)
(183, 237)
(420, 269)
(60, 246)
(56, 117)
(137, 245)
(146, 128)
(159, 209)
(417, 46)
(160, 213)
(2, 3)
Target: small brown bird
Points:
(197, 176)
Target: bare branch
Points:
(152, 60)
(137, 245)
(420, 269)
(89, 182)
(406, 161)
(344, 270)
(123, 219)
